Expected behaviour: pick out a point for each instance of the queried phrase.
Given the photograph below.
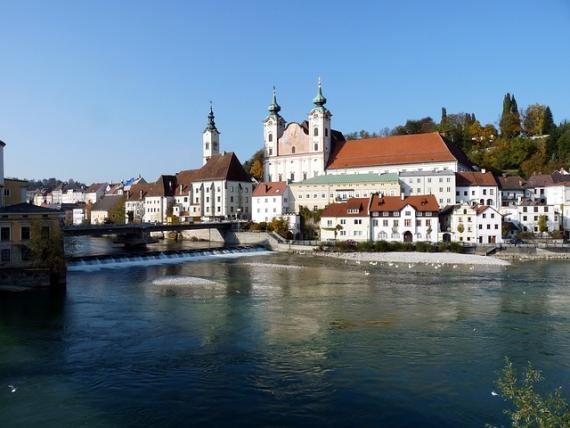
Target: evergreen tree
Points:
(548, 124)
(510, 123)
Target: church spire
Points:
(211, 123)
(274, 108)
(320, 99)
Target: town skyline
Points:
(92, 83)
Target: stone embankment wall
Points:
(533, 253)
(22, 279)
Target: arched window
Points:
(489, 202)
(316, 132)
(292, 176)
(293, 149)
(316, 147)
(207, 146)
(270, 137)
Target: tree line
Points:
(527, 141)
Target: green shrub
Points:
(382, 246)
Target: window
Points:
(329, 223)
(395, 223)
(293, 149)
(326, 132)
(375, 222)
(316, 132)
(385, 223)
(357, 221)
(292, 176)
(316, 147)
(407, 222)
(408, 213)
(270, 151)
(7, 192)
(418, 223)
(231, 198)
(5, 255)
(304, 176)
(5, 233)
(207, 146)
(25, 233)
(342, 221)
(270, 138)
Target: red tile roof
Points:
(396, 203)
(341, 209)
(223, 167)
(475, 179)
(400, 149)
(274, 188)
(539, 180)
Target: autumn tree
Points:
(254, 166)
(46, 247)
(117, 213)
(534, 119)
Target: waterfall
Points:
(92, 263)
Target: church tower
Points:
(210, 138)
(320, 126)
(273, 127)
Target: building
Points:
(527, 215)
(475, 224)
(318, 192)
(159, 200)
(270, 200)
(477, 188)
(16, 225)
(299, 151)
(101, 211)
(512, 190)
(404, 218)
(134, 202)
(349, 220)
(15, 191)
(558, 192)
(222, 190)
(440, 183)
(95, 192)
(536, 187)
(2, 145)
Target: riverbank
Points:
(416, 257)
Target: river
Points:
(280, 340)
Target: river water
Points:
(280, 340)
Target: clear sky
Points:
(104, 90)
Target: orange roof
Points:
(272, 188)
(396, 203)
(475, 179)
(342, 209)
(400, 149)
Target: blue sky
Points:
(104, 90)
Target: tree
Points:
(510, 123)
(542, 225)
(421, 126)
(46, 247)
(530, 409)
(254, 166)
(280, 225)
(117, 213)
(548, 124)
(534, 119)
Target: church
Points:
(295, 152)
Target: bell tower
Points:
(273, 127)
(320, 126)
(210, 138)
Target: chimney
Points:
(483, 170)
(140, 194)
(180, 187)
(402, 196)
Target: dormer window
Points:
(352, 211)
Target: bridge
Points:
(139, 233)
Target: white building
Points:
(477, 188)
(348, 220)
(94, 192)
(440, 183)
(526, 216)
(475, 224)
(100, 212)
(159, 200)
(404, 218)
(512, 190)
(270, 200)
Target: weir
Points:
(96, 262)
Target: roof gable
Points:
(223, 167)
(275, 188)
(421, 203)
(354, 207)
